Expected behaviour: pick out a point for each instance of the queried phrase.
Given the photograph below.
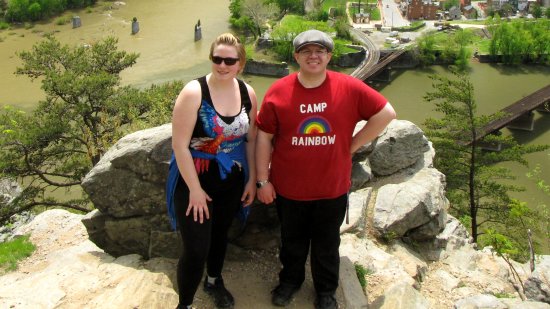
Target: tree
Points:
(475, 186)
(259, 13)
(537, 11)
(289, 6)
(35, 11)
(519, 40)
(238, 20)
(547, 12)
(84, 112)
(449, 4)
(17, 10)
(543, 208)
(426, 49)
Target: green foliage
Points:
(4, 25)
(453, 47)
(475, 185)
(520, 40)
(290, 26)
(342, 28)
(547, 12)
(84, 113)
(257, 12)
(414, 26)
(250, 50)
(536, 11)
(243, 23)
(389, 237)
(543, 209)
(12, 252)
(235, 7)
(362, 274)
(426, 49)
(317, 15)
(289, 6)
(449, 4)
(63, 20)
(33, 10)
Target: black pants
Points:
(206, 242)
(316, 224)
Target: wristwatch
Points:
(261, 183)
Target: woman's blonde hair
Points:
(230, 40)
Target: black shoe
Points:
(222, 297)
(282, 294)
(326, 302)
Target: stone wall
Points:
(266, 68)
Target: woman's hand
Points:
(249, 193)
(198, 204)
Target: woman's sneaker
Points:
(222, 297)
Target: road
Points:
(391, 16)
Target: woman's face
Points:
(225, 62)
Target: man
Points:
(303, 158)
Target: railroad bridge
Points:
(365, 73)
(519, 115)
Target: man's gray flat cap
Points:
(313, 37)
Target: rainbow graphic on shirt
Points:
(314, 125)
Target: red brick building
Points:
(421, 9)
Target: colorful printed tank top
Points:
(214, 133)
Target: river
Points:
(167, 52)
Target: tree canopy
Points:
(85, 111)
(33, 10)
(520, 40)
(476, 185)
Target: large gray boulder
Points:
(9, 190)
(415, 208)
(537, 286)
(401, 145)
(127, 188)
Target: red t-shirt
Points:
(313, 130)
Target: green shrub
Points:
(63, 20)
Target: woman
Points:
(213, 134)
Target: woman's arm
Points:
(266, 194)
(184, 117)
(250, 188)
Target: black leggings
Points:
(206, 242)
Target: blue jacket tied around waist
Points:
(225, 162)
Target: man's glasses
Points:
(307, 52)
(227, 61)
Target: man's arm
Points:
(266, 194)
(374, 127)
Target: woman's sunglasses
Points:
(228, 61)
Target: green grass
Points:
(332, 3)
(63, 20)
(362, 273)
(469, 22)
(13, 251)
(4, 25)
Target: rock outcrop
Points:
(127, 189)
(415, 253)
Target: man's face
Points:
(312, 58)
